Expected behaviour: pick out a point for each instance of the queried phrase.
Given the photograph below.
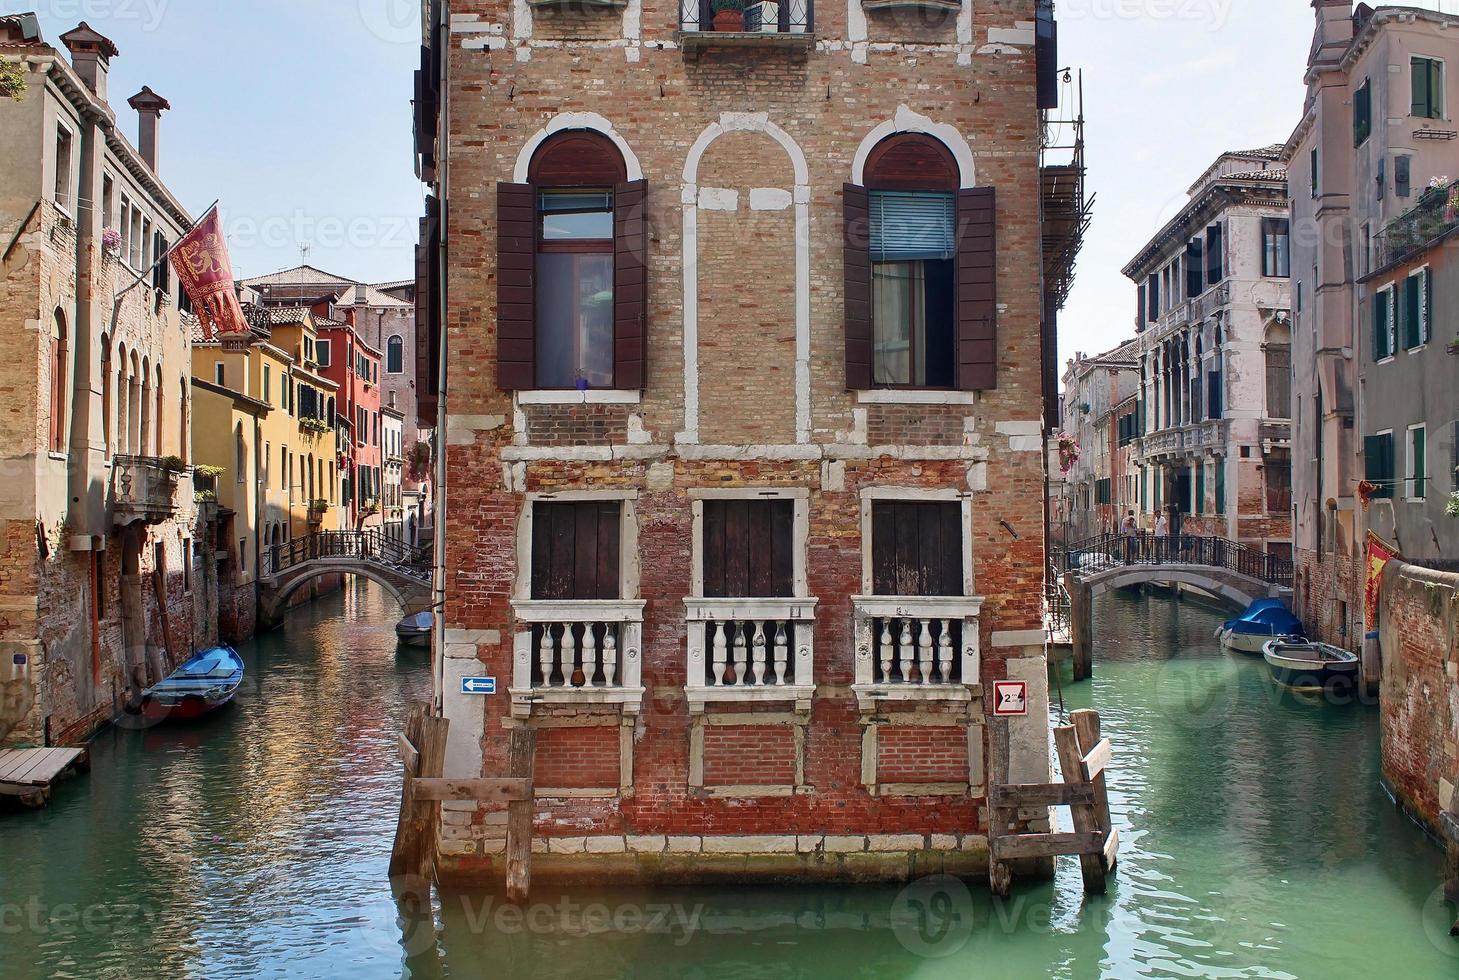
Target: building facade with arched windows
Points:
(98, 415)
(743, 343)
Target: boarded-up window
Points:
(1279, 381)
(749, 548)
(575, 550)
(916, 548)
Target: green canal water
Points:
(1256, 842)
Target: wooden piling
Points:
(522, 756)
(423, 755)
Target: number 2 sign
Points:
(1010, 698)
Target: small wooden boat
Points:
(1310, 666)
(1263, 621)
(199, 687)
(415, 631)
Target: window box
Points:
(577, 651)
(783, 24)
(750, 649)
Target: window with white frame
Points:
(65, 160)
(1428, 87)
(1416, 463)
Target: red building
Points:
(355, 367)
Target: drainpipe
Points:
(438, 584)
(84, 491)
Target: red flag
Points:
(201, 260)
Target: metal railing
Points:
(771, 17)
(1413, 230)
(371, 545)
(1108, 551)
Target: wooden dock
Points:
(29, 774)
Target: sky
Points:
(297, 112)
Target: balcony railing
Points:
(772, 17)
(1412, 231)
(916, 647)
(750, 650)
(577, 651)
(144, 489)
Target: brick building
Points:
(102, 544)
(743, 428)
(1095, 493)
(1214, 326)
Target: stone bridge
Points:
(403, 571)
(1219, 567)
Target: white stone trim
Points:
(907, 121)
(719, 199)
(800, 531)
(692, 199)
(770, 199)
(944, 494)
(912, 396)
(592, 396)
(1018, 638)
(629, 567)
(573, 120)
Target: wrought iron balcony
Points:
(1434, 216)
(144, 488)
(771, 23)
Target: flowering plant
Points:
(1068, 452)
(1452, 507)
(111, 242)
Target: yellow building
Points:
(268, 424)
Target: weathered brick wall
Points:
(577, 758)
(1325, 587)
(1420, 689)
(986, 446)
(921, 754)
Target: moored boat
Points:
(1263, 621)
(415, 630)
(1310, 666)
(199, 687)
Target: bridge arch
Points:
(414, 596)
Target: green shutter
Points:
(1220, 486)
(1412, 308)
(1381, 348)
(1200, 488)
(1378, 466)
(1420, 462)
(1420, 82)
(1362, 113)
(1426, 306)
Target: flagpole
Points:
(116, 306)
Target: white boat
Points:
(1310, 666)
(1263, 621)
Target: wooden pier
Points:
(28, 774)
(1083, 757)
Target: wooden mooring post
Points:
(424, 788)
(1083, 757)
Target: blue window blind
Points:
(907, 226)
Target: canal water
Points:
(1256, 842)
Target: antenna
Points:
(304, 249)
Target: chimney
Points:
(1334, 31)
(91, 55)
(149, 106)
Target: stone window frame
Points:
(625, 725)
(796, 721)
(869, 495)
(969, 718)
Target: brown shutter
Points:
(576, 550)
(747, 548)
(516, 228)
(857, 256)
(977, 289)
(630, 285)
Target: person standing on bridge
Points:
(1162, 532)
(1129, 530)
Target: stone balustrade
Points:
(577, 651)
(916, 647)
(750, 650)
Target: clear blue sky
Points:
(296, 113)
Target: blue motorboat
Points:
(1264, 620)
(415, 631)
(199, 687)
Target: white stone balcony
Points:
(750, 650)
(916, 648)
(577, 651)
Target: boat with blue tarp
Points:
(1263, 621)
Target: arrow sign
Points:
(478, 685)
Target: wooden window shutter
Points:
(916, 548)
(630, 285)
(576, 550)
(748, 548)
(977, 289)
(856, 214)
(516, 283)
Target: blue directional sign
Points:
(478, 685)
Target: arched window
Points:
(573, 324)
(144, 409)
(157, 413)
(59, 356)
(394, 355)
(912, 182)
(183, 449)
(134, 406)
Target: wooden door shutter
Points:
(630, 285)
(977, 289)
(516, 278)
(856, 216)
(747, 548)
(575, 550)
(916, 548)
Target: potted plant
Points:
(729, 15)
(111, 243)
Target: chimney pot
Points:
(149, 106)
(91, 54)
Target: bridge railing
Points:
(369, 545)
(1108, 551)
